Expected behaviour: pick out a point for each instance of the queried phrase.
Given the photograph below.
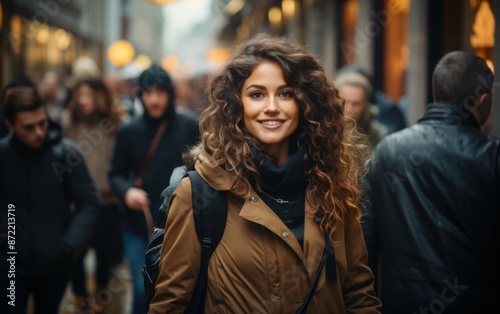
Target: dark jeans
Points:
(107, 244)
(47, 289)
(135, 249)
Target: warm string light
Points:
(121, 52)
(484, 27)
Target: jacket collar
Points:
(217, 177)
(450, 114)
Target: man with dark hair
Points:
(7, 90)
(433, 200)
(147, 150)
(48, 206)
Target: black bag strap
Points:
(210, 214)
(331, 273)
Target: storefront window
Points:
(396, 51)
(350, 12)
(482, 39)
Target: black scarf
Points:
(287, 182)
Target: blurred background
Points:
(397, 42)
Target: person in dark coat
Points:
(139, 189)
(433, 200)
(356, 91)
(387, 113)
(49, 207)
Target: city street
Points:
(374, 125)
(114, 300)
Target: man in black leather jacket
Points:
(432, 211)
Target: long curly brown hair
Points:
(333, 149)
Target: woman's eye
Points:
(286, 94)
(256, 95)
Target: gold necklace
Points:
(282, 201)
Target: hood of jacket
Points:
(156, 76)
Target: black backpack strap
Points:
(175, 178)
(210, 214)
(327, 258)
(331, 264)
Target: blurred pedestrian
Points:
(92, 121)
(432, 216)
(275, 139)
(83, 67)
(388, 113)
(127, 89)
(146, 152)
(49, 206)
(356, 91)
(54, 94)
(6, 91)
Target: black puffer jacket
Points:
(432, 215)
(41, 185)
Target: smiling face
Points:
(270, 111)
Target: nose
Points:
(154, 96)
(39, 131)
(272, 105)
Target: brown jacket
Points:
(259, 266)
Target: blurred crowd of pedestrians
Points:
(72, 150)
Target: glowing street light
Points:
(121, 52)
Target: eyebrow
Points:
(262, 87)
(35, 123)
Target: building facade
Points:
(41, 35)
(398, 42)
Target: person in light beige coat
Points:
(275, 137)
(91, 121)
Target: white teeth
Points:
(271, 122)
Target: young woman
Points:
(92, 120)
(274, 136)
